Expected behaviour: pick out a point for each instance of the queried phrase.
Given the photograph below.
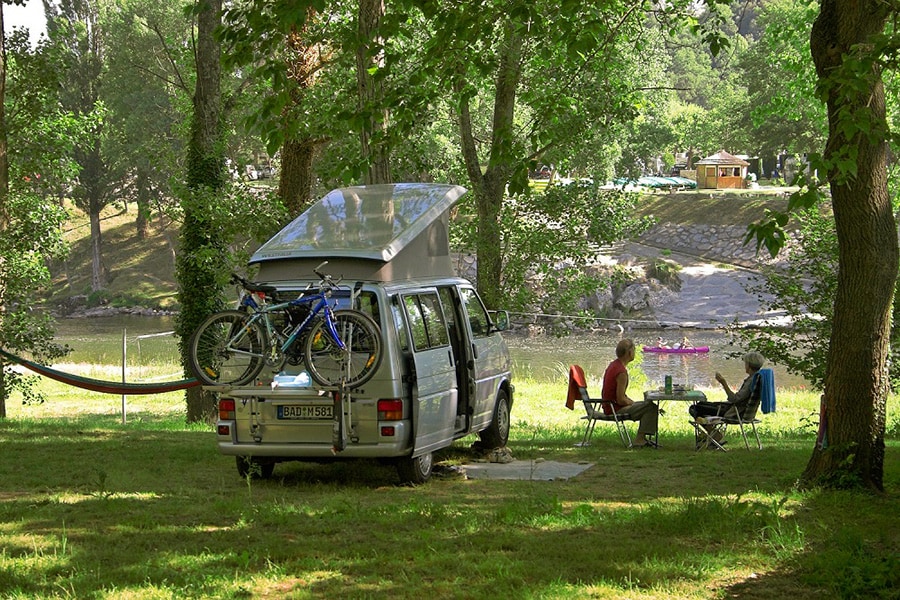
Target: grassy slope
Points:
(141, 272)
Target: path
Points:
(711, 296)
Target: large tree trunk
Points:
(851, 451)
(373, 135)
(489, 188)
(296, 177)
(297, 153)
(199, 288)
(4, 192)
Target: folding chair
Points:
(594, 408)
(707, 428)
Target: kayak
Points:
(696, 350)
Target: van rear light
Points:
(224, 430)
(390, 409)
(226, 409)
(388, 431)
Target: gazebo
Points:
(721, 171)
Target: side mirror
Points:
(500, 319)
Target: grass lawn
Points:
(92, 508)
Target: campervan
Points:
(444, 372)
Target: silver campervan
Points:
(445, 369)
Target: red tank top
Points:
(610, 383)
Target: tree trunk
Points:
(373, 135)
(97, 279)
(489, 188)
(142, 222)
(295, 179)
(4, 192)
(851, 451)
(199, 289)
(297, 153)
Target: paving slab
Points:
(527, 470)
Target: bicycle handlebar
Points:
(328, 282)
(251, 286)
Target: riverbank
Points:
(700, 231)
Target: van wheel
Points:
(254, 468)
(415, 470)
(497, 433)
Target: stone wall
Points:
(724, 243)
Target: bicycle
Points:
(339, 347)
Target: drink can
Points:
(668, 384)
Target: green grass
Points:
(91, 508)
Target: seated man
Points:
(615, 387)
(737, 401)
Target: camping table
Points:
(659, 396)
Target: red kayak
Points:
(696, 350)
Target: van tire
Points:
(497, 433)
(415, 470)
(254, 468)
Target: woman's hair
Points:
(754, 360)
(623, 347)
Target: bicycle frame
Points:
(319, 302)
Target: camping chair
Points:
(594, 408)
(708, 429)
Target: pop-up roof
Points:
(381, 232)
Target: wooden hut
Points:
(721, 171)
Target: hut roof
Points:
(723, 158)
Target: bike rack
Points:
(342, 428)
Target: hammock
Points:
(105, 387)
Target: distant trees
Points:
(74, 26)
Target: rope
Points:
(584, 318)
(98, 385)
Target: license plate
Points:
(305, 411)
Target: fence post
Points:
(124, 362)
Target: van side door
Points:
(434, 387)
(490, 363)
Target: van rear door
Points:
(434, 387)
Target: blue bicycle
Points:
(339, 347)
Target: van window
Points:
(478, 317)
(426, 321)
(400, 324)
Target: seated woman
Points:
(737, 401)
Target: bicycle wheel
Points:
(329, 365)
(226, 350)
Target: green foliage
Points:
(32, 237)
(803, 288)
(666, 272)
(550, 240)
(779, 77)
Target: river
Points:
(543, 358)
